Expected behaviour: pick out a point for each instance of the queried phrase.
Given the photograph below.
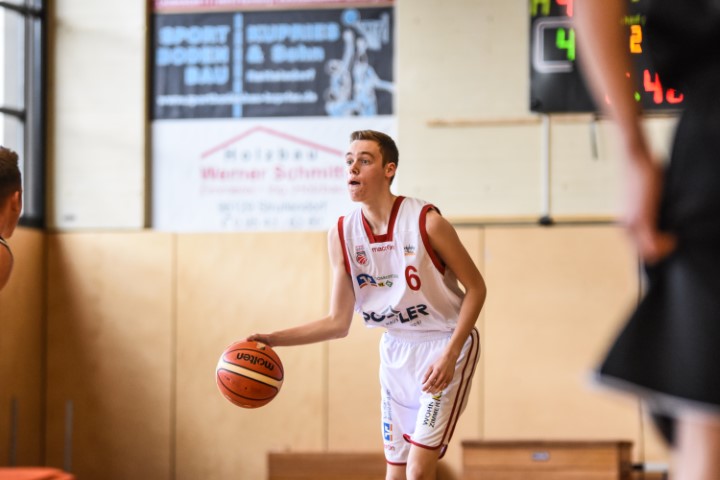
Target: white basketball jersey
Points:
(399, 281)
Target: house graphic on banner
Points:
(264, 178)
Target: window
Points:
(22, 98)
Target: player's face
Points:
(367, 176)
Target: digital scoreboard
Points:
(556, 83)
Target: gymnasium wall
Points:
(98, 122)
(467, 139)
(130, 321)
(136, 322)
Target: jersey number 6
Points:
(412, 278)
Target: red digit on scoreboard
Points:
(568, 4)
(653, 85)
(673, 97)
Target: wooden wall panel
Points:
(109, 353)
(22, 351)
(557, 297)
(229, 286)
(136, 323)
(353, 390)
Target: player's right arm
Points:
(336, 324)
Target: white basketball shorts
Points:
(409, 415)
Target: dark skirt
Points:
(669, 351)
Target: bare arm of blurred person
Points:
(605, 59)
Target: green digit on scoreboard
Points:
(565, 40)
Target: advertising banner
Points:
(252, 112)
(327, 62)
(275, 175)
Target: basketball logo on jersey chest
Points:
(361, 257)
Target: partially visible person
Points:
(668, 351)
(10, 208)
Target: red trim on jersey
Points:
(426, 238)
(341, 234)
(471, 361)
(395, 463)
(387, 236)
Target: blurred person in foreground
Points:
(668, 351)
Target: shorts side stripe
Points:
(463, 393)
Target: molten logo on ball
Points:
(249, 374)
(255, 360)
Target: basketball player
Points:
(397, 262)
(10, 208)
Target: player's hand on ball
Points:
(259, 337)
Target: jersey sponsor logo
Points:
(387, 406)
(365, 280)
(360, 255)
(387, 432)
(431, 412)
(390, 315)
(409, 250)
(383, 248)
(386, 280)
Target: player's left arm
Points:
(447, 245)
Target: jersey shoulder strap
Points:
(4, 243)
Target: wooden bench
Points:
(546, 460)
(326, 466)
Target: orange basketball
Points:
(249, 374)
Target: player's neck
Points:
(377, 212)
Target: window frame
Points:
(33, 114)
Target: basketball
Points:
(249, 374)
